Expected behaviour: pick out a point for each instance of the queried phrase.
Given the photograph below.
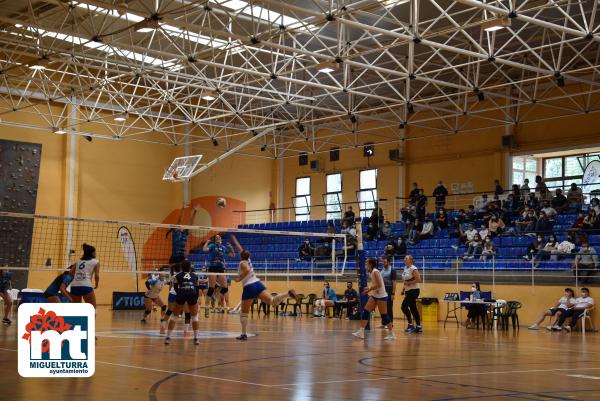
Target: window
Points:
(560, 172)
(333, 197)
(524, 167)
(368, 192)
(302, 199)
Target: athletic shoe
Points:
(556, 328)
(409, 329)
(549, 328)
(6, 321)
(568, 329)
(242, 337)
(390, 336)
(163, 330)
(143, 320)
(534, 327)
(360, 334)
(187, 333)
(418, 329)
(167, 340)
(196, 341)
(383, 326)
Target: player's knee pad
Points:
(366, 315)
(188, 316)
(243, 315)
(163, 308)
(224, 291)
(195, 318)
(147, 312)
(168, 313)
(385, 319)
(210, 292)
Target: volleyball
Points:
(221, 202)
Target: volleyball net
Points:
(45, 243)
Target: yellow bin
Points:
(429, 310)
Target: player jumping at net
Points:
(216, 254)
(5, 288)
(179, 237)
(254, 288)
(59, 286)
(154, 284)
(186, 288)
(378, 299)
(82, 272)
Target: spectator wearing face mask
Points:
(590, 221)
(536, 245)
(489, 250)
(563, 249)
(525, 188)
(496, 226)
(466, 236)
(350, 298)
(386, 231)
(595, 204)
(470, 214)
(349, 216)
(474, 310)
(328, 300)
(414, 194)
(416, 228)
(439, 193)
(441, 219)
(575, 197)
(541, 188)
(421, 205)
(566, 302)
(544, 224)
(426, 232)
(525, 221)
(586, 263)
(483, 205)
(484, 231)
(549, 210)
(473, 247)
(581, 304)
(306, 251)
(559, 201)
(544, 254)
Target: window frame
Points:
(302, 216)
(331, 213)
(363, 210)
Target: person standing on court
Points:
(388, 273)
(411, 278)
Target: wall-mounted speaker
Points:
(368, 149)
(303, 159)
(314, 165)
(395, 155)
(509, 141)
(334, 154)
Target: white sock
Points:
(186, 327)
(195, 333)
(169, 332)
(244, 321)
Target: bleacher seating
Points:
(279, 252)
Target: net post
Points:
(333, 255)
(423, 275)
(288, 273)
(362, 271)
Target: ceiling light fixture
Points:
(59, 131)
(209, 95)
(40, 64)
(327, 67)
(495, 24)
(120, 117)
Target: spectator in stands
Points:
(566, 302)
(511, 204)
(377, 214)
(467, 236)
(421, 205)
(470, 214)
(460, 217)
(578, 223)
(586, 263)
(544, 254)
(426, 232)
(549, 210)
(595, 204)
(496, 226)
(386, 231)
(349, 216)
(532, 201)
(524, 220)
(350, 247)
(532, 221)
(575, 197)
(415, 229)
(408, 215)
(484, 231)
(498, 190)
(474, 311)
(488, 250)
(473, 248)
(582, 303)
(590, 222)
(413, 196)
(525, 188)
(483, 205)
(541, 188)
(439, 193)
(400, 248)
(544, 224)
(350, 298)
(560, 202)
(564, 248)
(535, 246)
(348, 228)
(306, 251)
(441, 219)
(328, 299)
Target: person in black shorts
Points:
(217, 251)
(186, 288)
(179, 237)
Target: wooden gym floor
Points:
(317, 359)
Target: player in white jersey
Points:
(378, 298)
(82, 272)
(253, 288)
(155, 283)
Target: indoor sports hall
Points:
(300, 200)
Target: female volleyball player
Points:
(174, 269)
(5, 287)
(82, 272)
(179, 237)
(186, 287)
(378, 298)
(411, 291)
(154, 284)
(203, 288)
(253, 288)
(59, 285)
(216, 254)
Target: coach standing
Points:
(388, 273)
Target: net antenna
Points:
(182, 168)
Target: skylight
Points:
(246, 8)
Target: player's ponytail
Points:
(88, 252)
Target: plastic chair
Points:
(295, 303)
(510, 311)
(587, 315)
(309, 302)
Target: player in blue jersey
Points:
(186, 288)
(179, 237)
(5, 287)
(217, 251)
(59, 286)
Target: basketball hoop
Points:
(182, 168)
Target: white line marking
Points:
(585, 377)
